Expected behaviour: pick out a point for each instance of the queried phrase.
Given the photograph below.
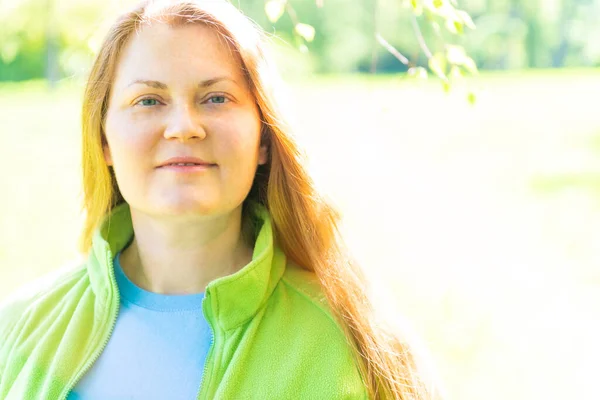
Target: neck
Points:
(177, 256)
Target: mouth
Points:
(185, 164)
(187, 167)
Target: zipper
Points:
(95, 357)
(115, 314)
(211, 347)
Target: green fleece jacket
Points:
(274, 336)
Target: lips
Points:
(185, 161)
(182, 164)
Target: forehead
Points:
(183, 52)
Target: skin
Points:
(187, 227)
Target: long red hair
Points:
(306, 226)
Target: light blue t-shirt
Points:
(157, 349)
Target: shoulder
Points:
(306, 286)
(31, 295)
(302, 279)
(320, 345)
(309, 306)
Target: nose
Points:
(184, 125)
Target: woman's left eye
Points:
(218, 99)
(148, 102)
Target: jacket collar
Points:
(235, 298)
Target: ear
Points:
(106, 150)
(263, 155)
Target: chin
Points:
(190, 209)
(186, 206)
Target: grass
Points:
(482, 220)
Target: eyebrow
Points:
(204, 84)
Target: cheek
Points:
(238, 138)
(131, 147)
(240, 149)
(129, 141)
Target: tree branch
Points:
(291, 13)
(391, 49)
(420, 38)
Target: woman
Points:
(214, 269)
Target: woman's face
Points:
(180, 92)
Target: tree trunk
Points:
(52, 48)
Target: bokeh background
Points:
(483, 219)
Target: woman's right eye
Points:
(148, 102)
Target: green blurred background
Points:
(510, 34)
(482, 219)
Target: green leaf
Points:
(417, 7)
(471, 98)
(466, 18)
(429, 15)
(438, 64)
(470, 65)
(454, 25)
(274, 9)
(446, 86)
(456, 54)
(458, 26)
(438, 3)
(450, 26)
(306, 31)
(455, 73)
(417, 72)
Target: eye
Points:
(148, 102)
(217, 99)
